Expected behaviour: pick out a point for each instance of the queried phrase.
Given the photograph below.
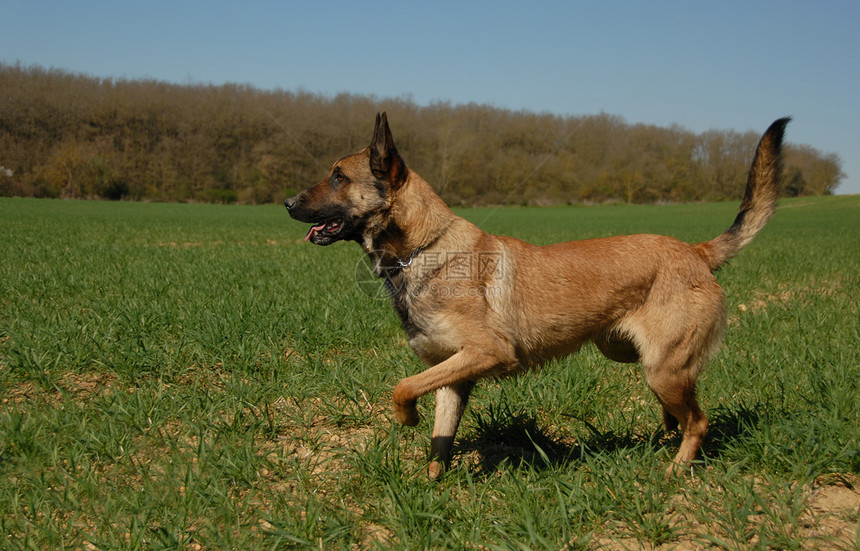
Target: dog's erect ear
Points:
(385, 162)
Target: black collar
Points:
(394, 270)
(389, 273)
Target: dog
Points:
(476, 305)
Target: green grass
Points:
(197, 377)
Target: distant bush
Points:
(225, 196)
(71, 135)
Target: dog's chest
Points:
(432, 346)
(428, 331)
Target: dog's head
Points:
(356, 191)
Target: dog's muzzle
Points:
(325, 228)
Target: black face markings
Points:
(381, 188)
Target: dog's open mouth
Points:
(325, 231)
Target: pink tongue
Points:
(313, 230)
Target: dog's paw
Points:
(679, 470)
(434, 470)
(405, 410)
(406, 415)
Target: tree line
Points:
(77, 136)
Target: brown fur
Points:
(476, 305)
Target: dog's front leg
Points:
(469, 364)
(450, 404)
(453, 381)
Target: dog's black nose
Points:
(290, 202)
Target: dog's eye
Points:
(338, 177)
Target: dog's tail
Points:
(759, 201)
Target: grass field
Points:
(197, 377)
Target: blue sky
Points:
(727, 65)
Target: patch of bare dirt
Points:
(834, 510)
(79, 386)
(830, 521)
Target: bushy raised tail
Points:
(759, 201)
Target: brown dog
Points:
(476, 305)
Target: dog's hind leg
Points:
(450, 404)
(675, 333)
(678, 399)
(672, 377)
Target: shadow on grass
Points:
(513, 438)
(729, 424)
